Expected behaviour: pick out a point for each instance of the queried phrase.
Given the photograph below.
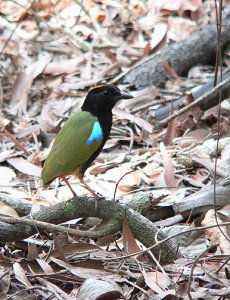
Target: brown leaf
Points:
(180, 28)
(129, 241)
(128, 179)
(99, 290)
(32, 252)
(130, 182)
(80, 250)
(45, 266)
(160, 180)
(168, 167)
(4, 282)
(181, 5)
(215, 234)
(54, 289)
(67, 66)
(92, 271)
(58, 245)
(140, 122)
(21, 275)
(157, 281)
(224, 215)
(171, 130)
(193, 136)
(22, 85)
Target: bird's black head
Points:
(103, 98)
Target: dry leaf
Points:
(64, 66)
(130, 182)
(171, 130)
(93, 289)
(215, 234)
(5, 282)
(24, 166)
(168, 167)
(6, 175)
(81, 272)
(158, 35)
(6, 210)
(21, 275)
(224, 215)
(128, 179)
(45, 266)
(22, 85)
(180, 28)
(129, 241)
(32, 252)
(209, 165)
(193, 136)
(6, 154)
(140, 122)
(180, 6)
(157, 281)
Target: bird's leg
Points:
(89, 188)
(69, 186)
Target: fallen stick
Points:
(164, 111)
(198, 48)
(223, 85)
(142, 229)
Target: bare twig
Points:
(167, 239)
(15, 141)
(218, 63)
(193, 267)
(115, 190)
(215, 90)
(58, 228)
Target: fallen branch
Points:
(198, 101)
(198, 48)
(192, 205)
(111, 228)
(185, 232)
(203, 200)
(164, 111)
(142, 229)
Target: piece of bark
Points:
(198, 48)
(202, 201)
(142, 229)
(193, 205)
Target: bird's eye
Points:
(104, 92)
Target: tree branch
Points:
(143, 229)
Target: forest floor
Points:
(52, 53)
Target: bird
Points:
(82, 137)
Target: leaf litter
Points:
(53, 52)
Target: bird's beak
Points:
(124, 96)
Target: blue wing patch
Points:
(96, 134)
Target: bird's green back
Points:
(70, 150)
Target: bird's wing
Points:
(75, 143)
